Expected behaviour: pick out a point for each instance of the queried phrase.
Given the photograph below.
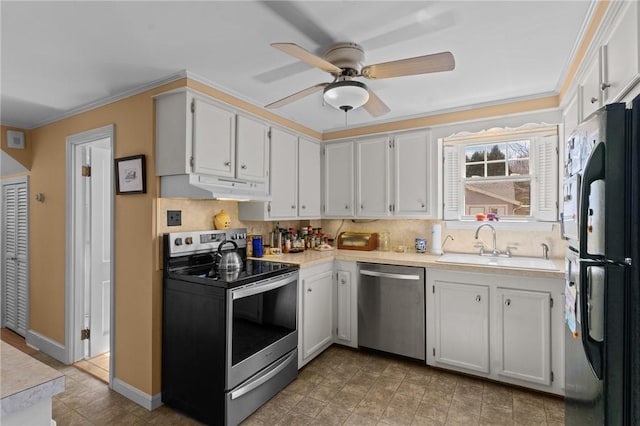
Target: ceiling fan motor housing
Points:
(348, 56)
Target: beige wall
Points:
(22, 156)
(137, 279)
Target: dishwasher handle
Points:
(410, 277)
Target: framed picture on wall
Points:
(131, 175)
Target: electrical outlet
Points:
(174, 217)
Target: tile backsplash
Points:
(198, 214)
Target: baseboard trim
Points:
(46, 345)
(136, 395)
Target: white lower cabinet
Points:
(461, 325)
(315, 319)
(504, 327)
(346, 303)
(523, 334)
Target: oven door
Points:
(262, 318)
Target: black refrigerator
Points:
(601, 222)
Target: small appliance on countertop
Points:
(365, 241)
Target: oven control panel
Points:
(183, 243)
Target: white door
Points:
(317, 312)
(100, 250)
(284, 158)
(524, 333)
(308, 178)
(15, 246)
(412, 171)
(252, 149)
(462, 325)
(214, 139)
(338, 180)
(372, 194)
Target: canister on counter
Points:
(421, 245)
(257, 246)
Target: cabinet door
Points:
(338, 180)
(308, 178)
(213, 139)
(252, 160)
(284, 159)
(621, 55)
(344, 305)
(316, 312)
(590, 87)
(412, 171)
(524, 332)
(462, 325)
(372, 167)
(571, 118)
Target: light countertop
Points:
(25, 380)
(310, 258)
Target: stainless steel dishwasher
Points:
(391, 309)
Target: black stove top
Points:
(253, 270)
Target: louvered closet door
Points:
(15, 247)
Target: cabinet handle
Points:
(346, 206)
(478, 298)
(604, 86)
(308, 290)
(422, 206)
(361, 206)
(343, 281)
(244, 166)
(227, 163)
(304, 207)
(593, 100)
(293, 207)
(507, 302)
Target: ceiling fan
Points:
(344, 61)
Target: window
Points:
(510, 174)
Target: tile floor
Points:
(340, 387)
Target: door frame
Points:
(6, 182)
(74, 291)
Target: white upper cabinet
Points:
(590, 89)
(571, 117)
(197, 135)
(338, 179)
(415, 172)
(615, 69)
(308, 178)
(213, 139)
(373, 175)
(252, 160)
(284, 158)
(621, 54)
(395, 176)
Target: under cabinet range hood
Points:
(211, 187)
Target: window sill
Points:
(504, 225)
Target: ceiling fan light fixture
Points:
(346, 95)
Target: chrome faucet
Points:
(545, 251)
(495, 251)
(449, 236)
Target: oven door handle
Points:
(265, 377)
(256, 288)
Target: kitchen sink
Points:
(507, 262)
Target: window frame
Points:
(543, 171)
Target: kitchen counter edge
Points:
(311, 258)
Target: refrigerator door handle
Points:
(593, 348)
(593, 171)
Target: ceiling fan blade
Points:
(298, 95)
(375, 106)
(437, 62)
(306, 56)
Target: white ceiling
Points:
(58, 56)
